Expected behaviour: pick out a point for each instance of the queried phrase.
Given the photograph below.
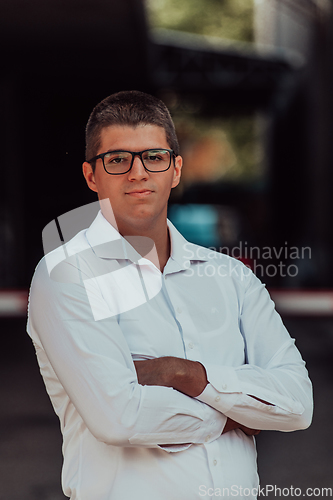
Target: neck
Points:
(157, 232)
(160, 253)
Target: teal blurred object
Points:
(197, 223)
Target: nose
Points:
(138, 171)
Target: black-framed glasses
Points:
(121, 162)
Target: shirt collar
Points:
(182, 251)
(107, 243)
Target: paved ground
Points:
(30, 443)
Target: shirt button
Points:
(224, 386)
(190, 346)
(179, 309)
(217, 398)
(207, 438)
(215, 462)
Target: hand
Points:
(184, 375)
(232, 425)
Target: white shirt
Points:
(104, 306)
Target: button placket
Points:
(213, 455)
(183, 317)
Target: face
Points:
(138, 198)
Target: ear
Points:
(89, 176)
(177, 171)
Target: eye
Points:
(116, 158)
(153, 157)
(157, 155)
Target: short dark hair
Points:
(128, 108)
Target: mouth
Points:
(139, 193)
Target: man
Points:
(162, 359)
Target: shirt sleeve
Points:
(87, 363)
(274, 372)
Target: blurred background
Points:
(249, 85)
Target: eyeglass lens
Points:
(155, 160)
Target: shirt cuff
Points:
(212, 429)
(173, 448)
(223, 390)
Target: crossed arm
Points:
(92, 364)
(184, 375)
